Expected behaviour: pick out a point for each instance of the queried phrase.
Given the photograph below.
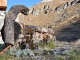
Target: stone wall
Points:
(2, 16)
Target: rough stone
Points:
(35, 11)
(73, 3)
(65, 5)
(46, 7)
(52, 10)
(30, 10)
(2, 16)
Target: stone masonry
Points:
(2, 16)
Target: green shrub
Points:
(49, 45)
(72, 57)
(74, 54)
(7, 57)
(60, 57)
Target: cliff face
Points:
(62, 16)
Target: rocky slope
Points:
(62, 16)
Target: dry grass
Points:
(49, 19)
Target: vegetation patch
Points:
(49, 45)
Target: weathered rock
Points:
(8, 28)
(59, 8)
(2, 16)
(30, 10)
(65, 5)
(51, 10)
(46, 7)
(35, 11)
(73, 3)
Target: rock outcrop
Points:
(46, 8)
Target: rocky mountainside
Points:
(63, 16)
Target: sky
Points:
(27, 3)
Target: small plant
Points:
(72, 57)
(49, 45)
(74, 54)
(18, 52)
(7, 57)
(60, 57)
(41, 45)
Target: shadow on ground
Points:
(71, 32)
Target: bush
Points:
(49, 45)
(74, 54)
(7, 57)
(60, 57)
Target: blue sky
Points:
(27, 3)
